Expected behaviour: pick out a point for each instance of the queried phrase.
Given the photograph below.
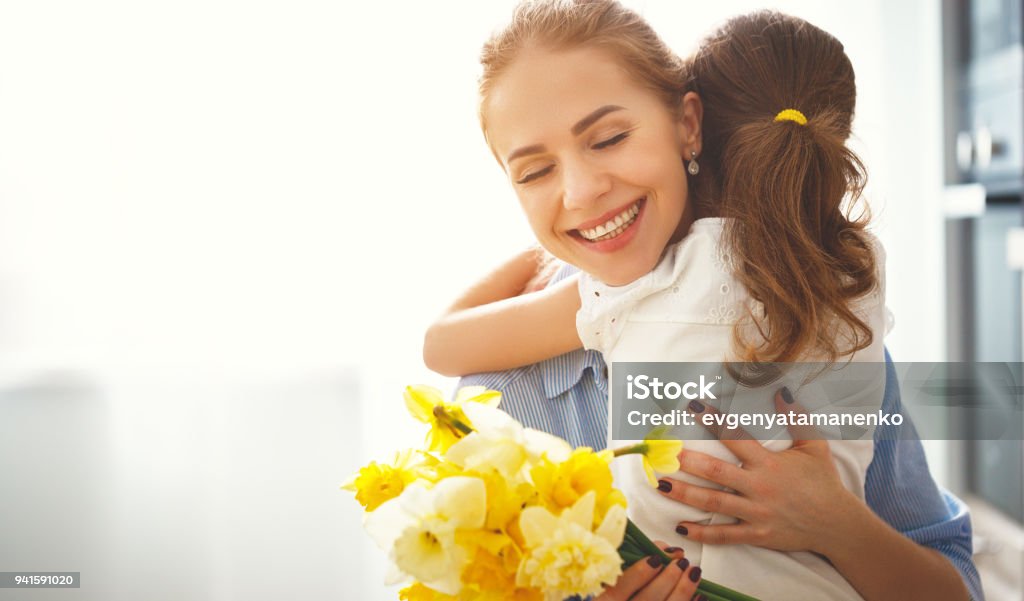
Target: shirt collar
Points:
(563, 372)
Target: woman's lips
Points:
(628, 230)
(609, 216)
(613, 226)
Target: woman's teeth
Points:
(613, 227)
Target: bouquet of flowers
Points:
(491, 510)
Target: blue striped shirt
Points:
(567, 396)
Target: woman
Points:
(668, 126)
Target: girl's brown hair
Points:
(784, 184)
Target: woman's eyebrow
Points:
(525, 150)
(592, 118)
(576, 130)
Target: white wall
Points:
(284, 190)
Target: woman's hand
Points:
(793, 500)
(788, 500)
(650, 580)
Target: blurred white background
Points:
(225, 226)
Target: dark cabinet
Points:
(984, 116)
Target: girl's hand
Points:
(788, 500)
(650, 580)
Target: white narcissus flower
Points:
(502, 443)
(564, 557)
(418, 528)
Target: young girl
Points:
(704, 205)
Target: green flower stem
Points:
(714, 592)
(646, 545)
(637, 543)
(633, 450)
(711, 596)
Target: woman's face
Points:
(595, 158)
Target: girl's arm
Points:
(494, 326)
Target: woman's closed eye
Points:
(532, 175)
(607, 143)
(612, 141)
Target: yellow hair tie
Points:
(791, 115)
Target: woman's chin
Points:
(622, 276)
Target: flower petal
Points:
(462, 500)
(582, 512)
(537, 524)
(613, 527)
(539, 443)
(389, 520)
(651, 478)
(477, 394)
(490, 420)
(421, 400)
(664, 455)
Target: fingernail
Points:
(787, 395)
(683, 564)
(654, 561)
(696, 406)
(682, 530)
(695, 574)
(700, 598)
(664, 486)
(672, 550)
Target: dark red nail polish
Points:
(787, 395)
(683, 564)
(672, 550)
(664, 486)
(695, 574)
(682, 530)
(696, 406)
(654, 561)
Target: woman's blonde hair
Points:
(567, 24)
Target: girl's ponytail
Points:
(779, 96)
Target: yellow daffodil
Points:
(561, 484)
(487, 577)
(564, 556)
(419, 529)
(661, 456)
(505, 501)
(426, 404)
(417, 591)
(377, 483)
(503, 444)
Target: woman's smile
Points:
(611, 232)
(595, 158)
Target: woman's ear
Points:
(691, 117)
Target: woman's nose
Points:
(583, 183)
